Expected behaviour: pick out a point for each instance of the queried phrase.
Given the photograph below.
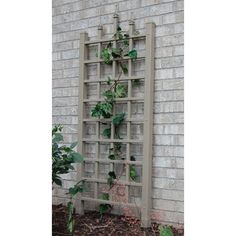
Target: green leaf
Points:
(103, 208)
(76, 189)
(112, 174)
(120, 91)
(106, 56)
(165, 231)
(116, 52)
(77, 157)
(109, 95)
(133, 54)
(136, 82)
(103, 109)
(118, 28)
(110, 181)
(70, 221)
(73, 145)
(105, 196)
(118, 118)
(58, 181)
(71, 225)
(133, 173)
(107, 132)
(124, 68)
(132, 158)
(108, 80)
(57, 138)
(112, 157)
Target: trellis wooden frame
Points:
(146, 163)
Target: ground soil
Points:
(92, 224)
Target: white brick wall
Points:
(70, 17)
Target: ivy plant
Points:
(105, 109)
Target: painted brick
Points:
(166, 183)
(62, 46)
(168, 129)
(172, 62)
(56, 56)
(168, 162)
(177, 195)
(165, 118)
(171, 18)
(65, 92)
(168, 139)
(57, 102)
(63, 83)
(169, 96)
(170, 84)
(169, 151)
(168, 107)
(168, 205)
(168, 173)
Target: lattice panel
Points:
(136, 131)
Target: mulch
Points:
(92, 224)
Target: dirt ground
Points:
(92, 224)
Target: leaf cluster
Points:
(103, 208)
(109, 53)
(165, 231)
(62, 156)
(102, 109)
(111, 178)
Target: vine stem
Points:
(115, 81)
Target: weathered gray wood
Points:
(148, 125)
(79, 205)
(146, 163)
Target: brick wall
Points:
(70, 17)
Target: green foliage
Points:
(107, 132)
(78, 188)
(165, 231)
(103, 109)
(62, 156)
(108, 80)
(70, 220)
(103, 208)
(106, 56)
(106, 109)
(133, 54)
(110, 179)
(136, 81)
(124, 68)
(133, 173)
(118, 118)
(120, 91)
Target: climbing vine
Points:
(105, 109)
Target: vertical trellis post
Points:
(148, 125)
(79, 205)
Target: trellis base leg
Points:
(148, 126)
(80, 207)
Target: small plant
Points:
(103, 208)
(165, 231)
(63, 158)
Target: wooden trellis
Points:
(148, 78)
